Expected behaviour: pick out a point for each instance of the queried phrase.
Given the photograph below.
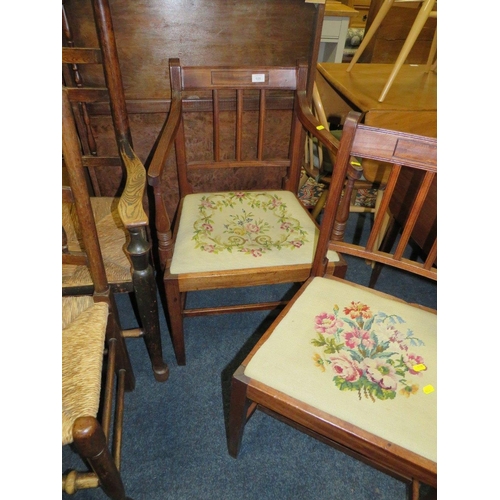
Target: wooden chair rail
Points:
(199, 77)
(88, 94)
(405, 151)
(238, 163)
(81, 55)
(410, 149)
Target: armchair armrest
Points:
(313, 125)
(318, 130)
(165, 141)
(130, 206)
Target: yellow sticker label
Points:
(428, 389)
(320, 127)
(355, 163)
(419, 368)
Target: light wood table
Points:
(411, 106)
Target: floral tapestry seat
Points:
(360, 356)
(243, 230)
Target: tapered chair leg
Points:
(415, 490)
(239, 412)
(90, 441)
(175, 308)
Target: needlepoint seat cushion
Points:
(83, 334)
(112, 240)
(360, 356)
(250, 229)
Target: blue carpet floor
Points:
(174, 443)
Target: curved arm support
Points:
(166, 141)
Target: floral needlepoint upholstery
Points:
(310, 192)
(249, 229)
(360, 356)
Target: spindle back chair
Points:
(354, 367)
(239, 125)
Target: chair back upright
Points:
(408, 156)
(95, 92)
(90, 254)
(75, 191)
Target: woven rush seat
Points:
(84, 328)
(331, 347)
(112, 239)
(251, 228)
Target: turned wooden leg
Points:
(147, 300)
(90, 442)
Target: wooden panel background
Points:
(199, 32)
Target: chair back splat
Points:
(407, 155)
(349, 365)
(239, 126)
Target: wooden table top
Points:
(338, 9)
(412, 90)
(410, 106)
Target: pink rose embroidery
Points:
(343, 366)
(327, 323)
(358, 337)
(381, 373)
(364, 351)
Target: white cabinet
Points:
(333, 36)
(334, 32)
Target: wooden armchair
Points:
(241, 126)
(354, 367)
(93, 350)
(123, 225)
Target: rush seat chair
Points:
(96, 369)
(92, 78)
